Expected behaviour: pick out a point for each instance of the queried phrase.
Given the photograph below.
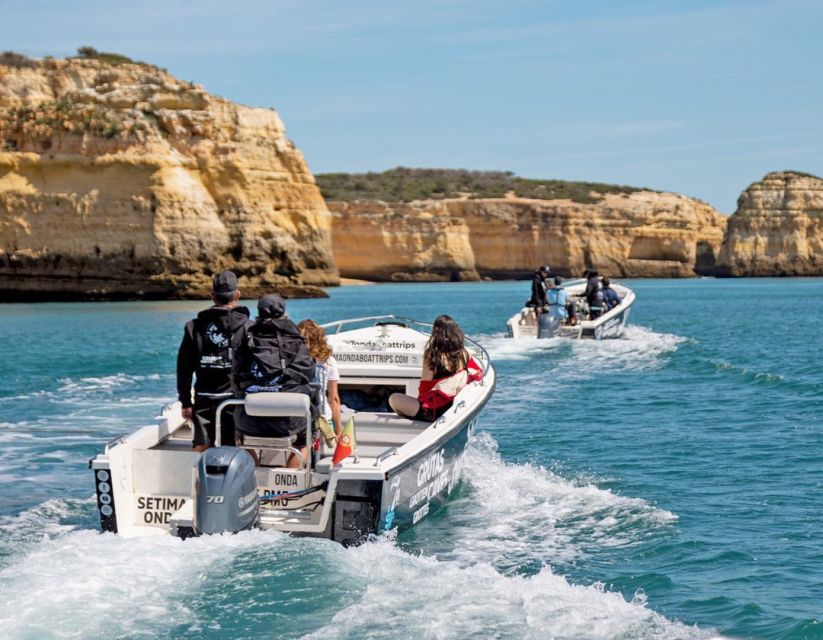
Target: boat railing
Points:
(278, 404)
(402, 321)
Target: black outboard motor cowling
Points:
(226, 499)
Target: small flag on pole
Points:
(346, 443)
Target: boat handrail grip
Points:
(218, 419)
(339, 324)
(290, 402)
(388, 453)
(114, 442)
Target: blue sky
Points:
(702, 98)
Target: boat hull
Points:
(423, 485)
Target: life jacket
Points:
(217, 333)
(440, 392)
(557, 310)
(273, 357)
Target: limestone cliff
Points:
(122, 181)
(636, 234)
(777, 229)
(415, 241)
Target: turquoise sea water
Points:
(664, 485)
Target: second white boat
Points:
(526, 324)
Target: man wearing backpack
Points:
(206, 353)
(272, 357)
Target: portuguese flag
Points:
(345, 443)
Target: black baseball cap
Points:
(225, 282)
(271, 305)
(546, 268)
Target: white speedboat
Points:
(150, 482)
(525, 324)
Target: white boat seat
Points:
(258, 441)
(280, 404)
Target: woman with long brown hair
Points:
(447, 368)
(319, 349)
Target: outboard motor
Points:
(547, 326)
(226, 492)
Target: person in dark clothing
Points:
(594, 294)
(273, 357)
(610, 297)
(205, 354)
(540, 283)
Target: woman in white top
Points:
(321, 352)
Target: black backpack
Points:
(273, 356)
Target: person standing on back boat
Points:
(206, 354)
(594, 294)
(540, 285)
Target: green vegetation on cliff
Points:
(406, 185)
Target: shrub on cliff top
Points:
(403, 184)
(90, 53)
(12, 59)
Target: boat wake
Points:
(521, 516)
(447, 600)
(640, 348)
(251, 583)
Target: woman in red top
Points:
(447, 368)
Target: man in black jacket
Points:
(540, 285)
(206, 353)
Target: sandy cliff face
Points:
(642, 234)
(417, 241)
(122, 181)
(777, 229)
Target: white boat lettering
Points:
(438, 484)
(431, 466)
(421, 513)
(247, 499)
(284, 479)
(367, 357)
(158, 510)
(380, 344)
(457, 469)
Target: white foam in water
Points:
(501, 347)
(82, 584)
(639, 348)
(413, 596)
(90, 585)
(105, 383)
(42, 521)
(519, 514)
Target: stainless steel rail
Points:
(303, 459)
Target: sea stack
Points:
(118, 180)
(777, 229)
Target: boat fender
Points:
(226, 497)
